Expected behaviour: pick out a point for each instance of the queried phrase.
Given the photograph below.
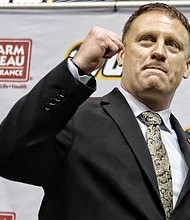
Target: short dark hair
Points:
(170, 10)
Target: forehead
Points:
(160, 22)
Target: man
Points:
(90, 155)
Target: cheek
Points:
(176, 75)
(133, 59)
(177, 68)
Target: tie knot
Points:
(151, 118)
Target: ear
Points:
(187, 71)
(120, 57)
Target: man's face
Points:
(155, 56)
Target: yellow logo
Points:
(187, 130)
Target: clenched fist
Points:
(98, 45)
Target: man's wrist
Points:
(77, 72)
(80, 71)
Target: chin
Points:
(155, 85)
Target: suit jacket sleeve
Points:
(27, 134)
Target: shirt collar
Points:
(138, 107)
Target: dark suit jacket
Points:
(89, 156)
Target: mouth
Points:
(155, 68)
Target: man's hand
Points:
(98, 45)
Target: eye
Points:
(146, 41)
(172, 44)
(147, 38)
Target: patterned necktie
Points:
(160, 159)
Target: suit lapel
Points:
(185, 148)
(117, 107)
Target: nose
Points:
(158, 52)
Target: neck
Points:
(155, 105)
(155, 101)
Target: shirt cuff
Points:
(74, 71)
